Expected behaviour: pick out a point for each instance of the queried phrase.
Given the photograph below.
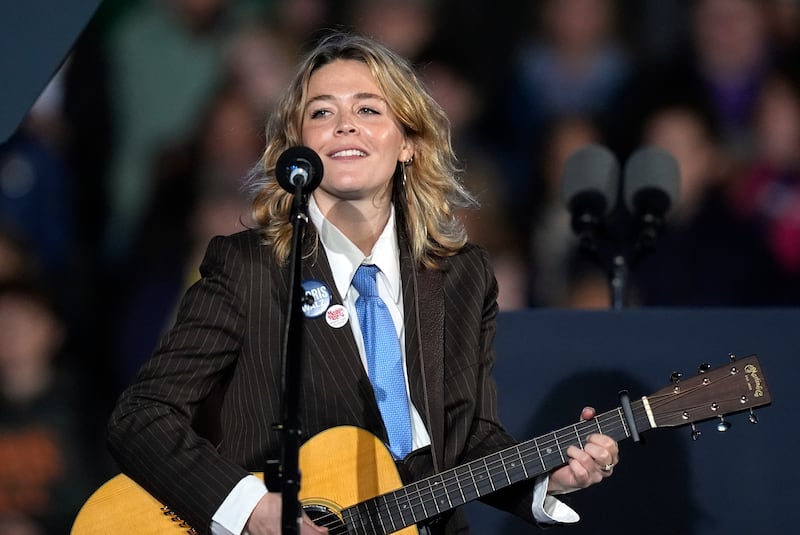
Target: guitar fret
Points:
(404, 507)
(372, 512)
(362, 511)
(468, 492)
(431, 494)
(499, 474)
(513, 465)
(455, 481)
(580, 444)
(489, 474)
(558, 445)
(522, 463)
(396, 511)
(624, 423)
(416, 503)
(387, 512)
(441, 486)
(479, 476)
(347, 518)
(539, 452)
(505, 468)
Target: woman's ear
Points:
(407, 151)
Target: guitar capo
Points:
(625, 401)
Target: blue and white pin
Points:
(317, 298)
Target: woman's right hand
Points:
(266, 518)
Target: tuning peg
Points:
(753, 418)
(731, 356)
(723, 426)
(704, 367)
(675, 378)
(695, 432)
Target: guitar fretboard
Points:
(429, 497)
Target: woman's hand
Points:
(586, 466)
(266, 518)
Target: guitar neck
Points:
(437, 494)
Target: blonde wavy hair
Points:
(426, 193)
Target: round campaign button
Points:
(336, 316)
(317, 298)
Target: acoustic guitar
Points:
(350, 483)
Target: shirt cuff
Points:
(548, 509)
(232, 515)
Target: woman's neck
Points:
(361, 221)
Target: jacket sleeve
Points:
(487, 433)
(150, 431)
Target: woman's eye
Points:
(368, 111)
(319, 113)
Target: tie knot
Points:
(364, 280)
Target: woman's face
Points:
(347, 121)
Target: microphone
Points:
(652, 181)
(589, 186)
(299, 167)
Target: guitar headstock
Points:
(713, 393)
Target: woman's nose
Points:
(346, 125)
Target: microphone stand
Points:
(589, 230)
(618, 263)
(619, 282)
(288, 470)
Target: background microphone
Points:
(299, 167)
(589, 187)
(652, 181)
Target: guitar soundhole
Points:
(322, 516)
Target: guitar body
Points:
(340, 467)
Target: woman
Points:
(387, 199)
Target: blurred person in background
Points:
(405, 26)
(768, 193)
(165, 59)
(197, 191)
(38, 189)
(492, 226)
(574, 63)
(721, 69)
(707, 255)
(16, 259)
(783, 22)
(552, 243)
(49, 452)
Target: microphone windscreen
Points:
(652, 181)
(591, 172)
(299, 158)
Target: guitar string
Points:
(526, 451)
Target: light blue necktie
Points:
(384, 362)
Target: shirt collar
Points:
(345, 257)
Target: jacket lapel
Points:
(423, 303)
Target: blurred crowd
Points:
(136, 153)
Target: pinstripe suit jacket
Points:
(228, 332)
